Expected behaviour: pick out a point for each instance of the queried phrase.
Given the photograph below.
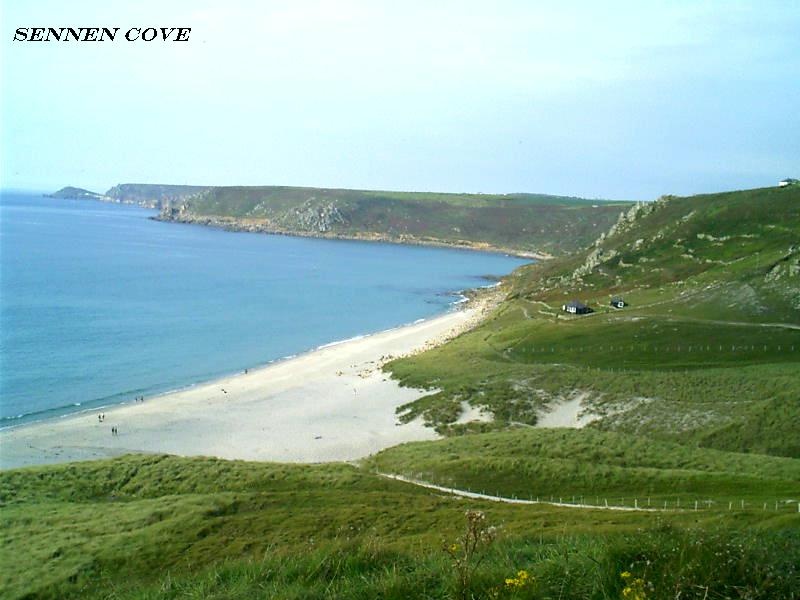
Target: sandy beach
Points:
(334, 403)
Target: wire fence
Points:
(660, 502)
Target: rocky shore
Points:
(180, 215)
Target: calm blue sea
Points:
(99, 304)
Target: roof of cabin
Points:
(576, 304)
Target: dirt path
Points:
(719, 322)
(481, 496)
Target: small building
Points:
(618, 302)
(787, 182)
(575, 307)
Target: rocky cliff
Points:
(152, 195)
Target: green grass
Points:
(596, 466)
(695, 565)
(168, 527)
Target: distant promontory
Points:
(141, 194)
(75, 193)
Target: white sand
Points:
(331, 404)
(471, 414)
(569, 413)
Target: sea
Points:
(99, 303)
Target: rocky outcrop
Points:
(625, 222)
(787, 267)
(313, 216)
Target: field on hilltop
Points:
(529, 223)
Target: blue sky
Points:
(610, 100)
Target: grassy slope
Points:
(166, 527)
(524, 222)
(695, 357)
(568, 462)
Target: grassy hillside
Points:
(164, 527)
(596, 466)
(519, 222)
(707, 351)
(75, 193)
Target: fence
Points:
(657, 503)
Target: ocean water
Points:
(99, 304)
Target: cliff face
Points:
(152, 195)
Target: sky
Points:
(622, 100)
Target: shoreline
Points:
(331, 403)
(107, 403)
(255, 226)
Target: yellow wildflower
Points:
(521, 580)
(634, 587)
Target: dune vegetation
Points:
(166, 527)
